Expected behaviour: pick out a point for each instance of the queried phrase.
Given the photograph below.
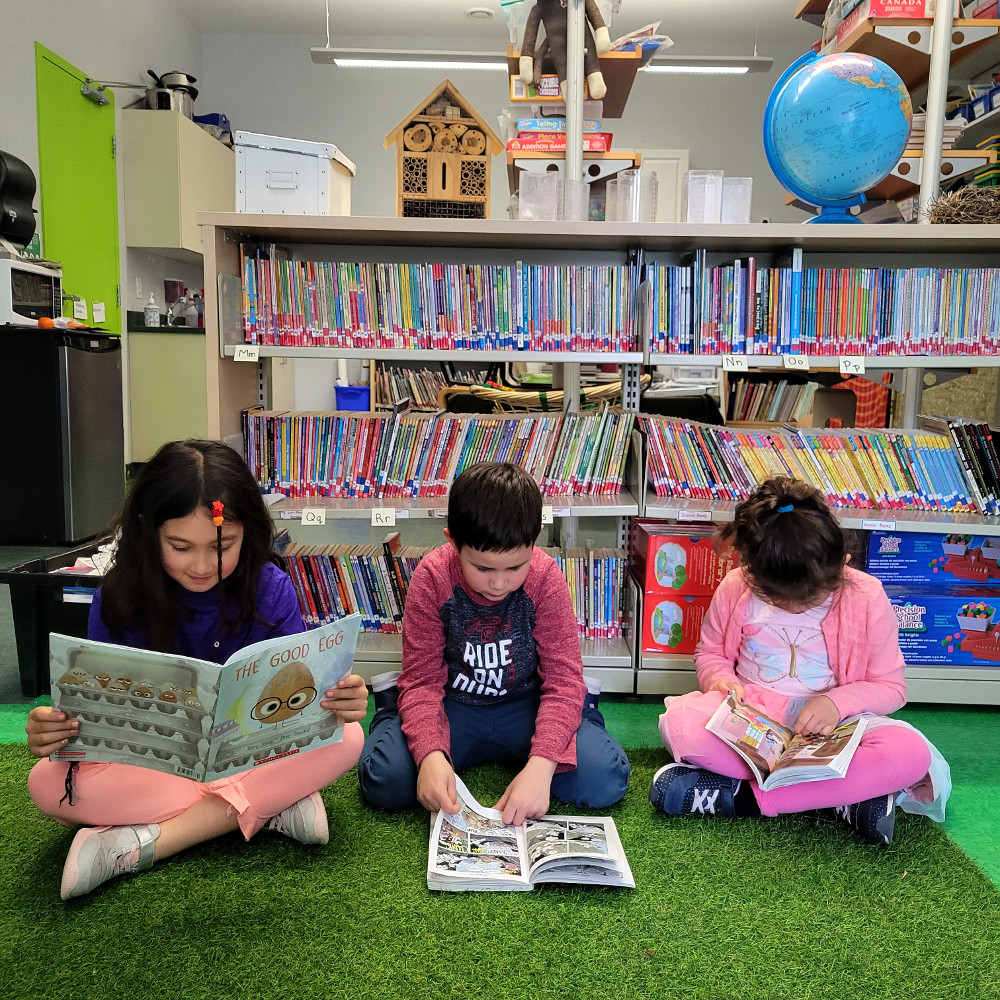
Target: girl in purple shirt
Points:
(194, 573)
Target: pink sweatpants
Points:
(123, 795)
(888, 759)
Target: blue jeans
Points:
(493, 733)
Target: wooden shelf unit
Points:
(233, 385)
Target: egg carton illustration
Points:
(269, 742)
(180, 757)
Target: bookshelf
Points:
(238, 379)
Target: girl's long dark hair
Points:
(182, 477)
(790, 545)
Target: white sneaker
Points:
(304, 821)
(102, 852)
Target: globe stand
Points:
(837, 213)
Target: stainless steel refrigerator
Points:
(63, 450)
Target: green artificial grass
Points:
(786, 908)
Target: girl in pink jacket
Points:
(803, 638)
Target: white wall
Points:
(269, 84)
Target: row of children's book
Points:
(769, 400)
(744, 308)
(884, 469)
(421, 386)
(973, 443)
(396, 306)
(738, 307)
(332, 581)
(402, 455)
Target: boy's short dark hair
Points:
(494, 507)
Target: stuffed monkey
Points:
(552, 14)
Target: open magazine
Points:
(474, 850)
(776, 755)
(195, 718)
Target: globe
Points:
(834, 126)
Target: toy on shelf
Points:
(443, 156)
(552, 15)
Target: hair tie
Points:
(785, 509)
(217, 508)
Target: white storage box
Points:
(291, 176)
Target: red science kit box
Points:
(672, 624)
(957, 626)
(934, 560)
(667, 559)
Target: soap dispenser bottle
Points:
(151, 314)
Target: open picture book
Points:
(195, 718)
(474, 850)
(776, 755)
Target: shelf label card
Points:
(383, 517)
(403, 515)
(853, 364)
(247, 352)
(439, 512)
(734, 363)
(694, 515)
(560, 511)
(869, 525)
(314, 515)
(546, 513)
(796, 362)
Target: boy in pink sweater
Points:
(491, 668)
(800, 636)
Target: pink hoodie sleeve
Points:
(711, 661)
(874, 671)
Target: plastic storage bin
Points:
(352, 397)
(40, 606)
(291, 176)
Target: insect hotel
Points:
(443, 155)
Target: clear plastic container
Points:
(736, 196)
(539, 196)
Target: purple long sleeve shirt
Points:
(199, 619)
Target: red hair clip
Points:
(217, 509)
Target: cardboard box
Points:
(956, 626)
(554, 124)
(555, 142)
(668, 560)
(934, 560)
(672, 624)
(291, 176)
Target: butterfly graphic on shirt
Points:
(772, 666)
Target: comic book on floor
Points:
(195, 718)
(475, 851)
(776, 755)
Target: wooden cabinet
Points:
(173, 169)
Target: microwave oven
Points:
(29, 291)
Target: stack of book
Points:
(953, 128)
(769, 401)
(353, 454)
(884, 469)
(332, 581)
(393, 306)
(977, 452)
(420, 386)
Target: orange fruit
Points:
(46, 322)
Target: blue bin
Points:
(352, 397)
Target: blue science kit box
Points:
(957, 626)
(925, 559)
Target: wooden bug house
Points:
(443, 156)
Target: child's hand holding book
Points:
(819, 716)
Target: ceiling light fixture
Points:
(408, 59)
(479, 13)
(725, 65)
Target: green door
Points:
(78, 186)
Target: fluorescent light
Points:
(408, 59)
(725, 65)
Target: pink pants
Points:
(888, 759)
(124, 795)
